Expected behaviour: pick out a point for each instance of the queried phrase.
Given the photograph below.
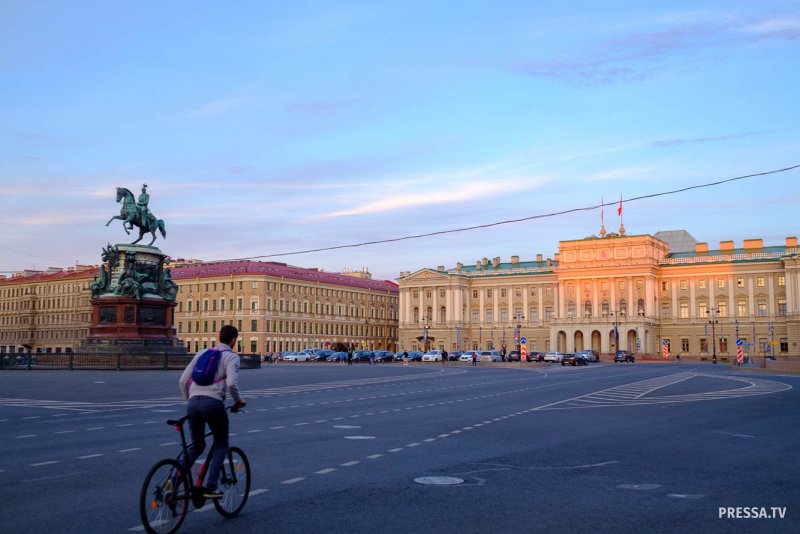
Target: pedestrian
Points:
(503, 353)
(444, 357)
(207, 406)
(678, 357)
(350, 357)
(474, 359)
(371, 358)
(405, 357)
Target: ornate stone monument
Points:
(133, 295)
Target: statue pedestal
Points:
(130, 314)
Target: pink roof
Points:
(50, 277)
(208, 270)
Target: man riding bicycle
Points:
(207, 406)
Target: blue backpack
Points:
(205, 369)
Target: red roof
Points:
(209, 270)
(50, 277)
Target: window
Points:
(475, 317)
(533, 291)
(721, 283)
(570, 288)
(416, 294)
(503, 293)
(623, 307)
(782, 307)
(665, 311)
(639, 285)
(548, 313)
(684, 310)
(702, 309)
(534, 314)
(488, 293)
(489, 316)
(517, 293)
(784, 344)
(664, 286)
(441, 293)
(760, 281)
(548, 292)
(587, 309)
(205, 305)
(239, 304)
(252, 346)
(587, 286)
(722, 308)
(741, 308)
(503, 316)
(254, 325)
(723, 344)
(428, 294)
(604, 286)
(684, 285)
(571, 309)
(621, 285)
(703, 344)
(701, 284)
(253, 305)
(604, 308)
(781, 280)
(684, 345)
(474, 293)
(762, 308)
(740, 282)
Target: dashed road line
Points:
(350, 464)
(27, 436)
(89, 456)
(130, 450)
(293, 480)
(44, 463)
(325, 471)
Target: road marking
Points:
(443, 436)
(89, 456)
(254, 431)
(429, 440)
(300, 424)
(276, 427)
(96, 428)
(130, 450)
(44, 463)
(396, 449)
(350, 464)
(27, 436)
(31, 417)
(293, 480)
(325, 471)
(257, 491)
(149, 422)
(373, 456)
(168, 444)
(126, 424)
(415, 444)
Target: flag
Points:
(619, 209)
(602, 206)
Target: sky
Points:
(265, 128)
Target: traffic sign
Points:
(523, 340)
(740, 342)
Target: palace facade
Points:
(616, 292)
(276, 307)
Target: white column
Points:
(692, 299)
(525, 310)
(448, 304)
(560, 310)
(540, 292)
(675, 310)
(732, 308)
(595, 300)
(511, 303)
(481, 316)
(630, 295)
(712, 295)
(751, 297)
(496, 305)
(771, 309)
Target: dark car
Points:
(623, 356)
(362, 355)
(536, 356)
(337, 357)
(513, 356)
(321, 355)
(453, 356)
(415, 356)
(574, 359)
(383, 356)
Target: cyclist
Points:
(207, 406)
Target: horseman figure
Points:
(135, 213)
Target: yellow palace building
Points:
(639, 293)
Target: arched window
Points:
(442, 314)
(571, 309)
(429, 314)
(416, 314)
(623, 307)
(640, 307)
(587, 308)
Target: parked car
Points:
(362, 355)
(467, 356)
(590, 355)
(414, 356)
(432, 356)
(321, 355)
(513, 356)
(337, 357)
(553, 356)
(383, 356)
(490, 356)
(623, 356)
(296, 357)
(574, 359)
(536, 356)
(453, 356)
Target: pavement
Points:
(602, 448)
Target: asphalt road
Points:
(605, 448)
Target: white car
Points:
(297, 357)
(553, 357)
(490, 356)
(432, 356)
(467, 356)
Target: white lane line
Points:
(27, 436)
(300, 424)
(259, 410)
(443, 436)
(350, 464)
(96, 428)
(89, 456)
(254, 431)
(126, 424)
(321, 421)
(429, 440)
(293, 480)
(149, 422)
(31, 417)
(61, 414)
(466, 428)
(65, 432)
(257, 491)
(130, 450)
(373, 456)
(44, 463)
(276, 427)
(325, 471)
(168, 444)
(415, 444)
(396, 449)
(455, 432)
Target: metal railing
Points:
(105, 361)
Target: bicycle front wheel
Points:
(164, 500)
(234, 481)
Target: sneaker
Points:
(212, 493)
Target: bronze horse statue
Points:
(131, 213)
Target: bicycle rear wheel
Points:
(164, 500)
(234, 481)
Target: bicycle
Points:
(168, 488)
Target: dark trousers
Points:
(202, 411)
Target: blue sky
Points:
(270, 127)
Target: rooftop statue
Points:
(137, 214)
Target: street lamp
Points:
(712, 312)
(518, 333)
(425, 328)
(616, 332)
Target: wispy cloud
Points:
(776, 28)
(696, 140)
(619, 174)
(219, 107)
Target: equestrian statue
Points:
(137, 214)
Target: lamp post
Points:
(616, 332)
(518, 333)
(736, 323)
(712, 312)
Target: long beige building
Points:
(276, 307)
(635, 293)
